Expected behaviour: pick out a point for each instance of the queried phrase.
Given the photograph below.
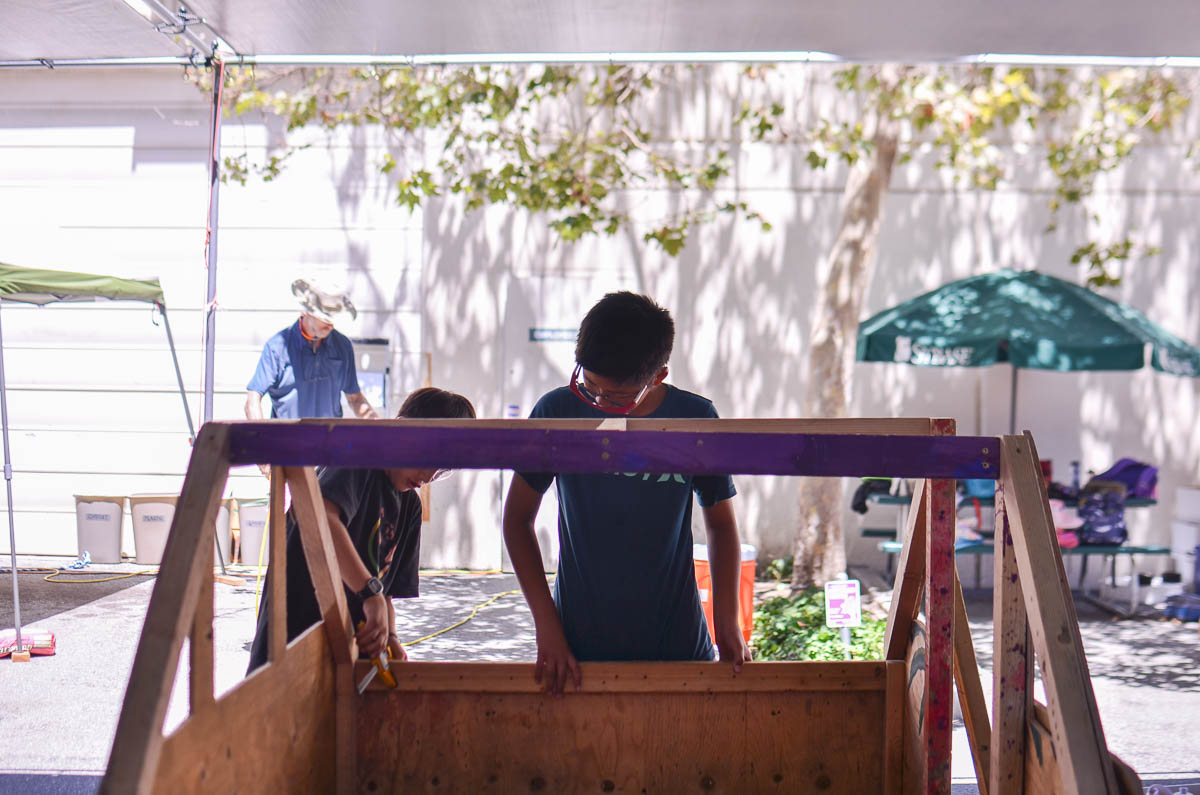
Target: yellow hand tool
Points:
(380, 664)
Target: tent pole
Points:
(210, 300)
(210, 307)
(187, 412)
(12, 531)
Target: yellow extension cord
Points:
(65, 572)
(52, 573)
(458, 624)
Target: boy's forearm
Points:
(354, 572)
(724, 556)
(526, 558)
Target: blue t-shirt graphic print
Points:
(626, 584)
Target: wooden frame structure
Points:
(297, 724)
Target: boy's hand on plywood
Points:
(556, 665)
(732, 647)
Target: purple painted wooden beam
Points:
(541, 450)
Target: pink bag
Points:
(1067, 539)
(38, 643)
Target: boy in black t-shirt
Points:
(375, 521)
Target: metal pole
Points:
(210, 320)
(210, 301)
(187, 411)
(12, 531)
(1012, 403)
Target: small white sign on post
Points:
(843, 604)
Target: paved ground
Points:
(58, 714)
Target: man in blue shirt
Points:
(626, 584)
(306, 367)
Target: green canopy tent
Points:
(1028, 319)
(37, 286)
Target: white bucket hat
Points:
(323, 301)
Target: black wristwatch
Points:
(373, 588)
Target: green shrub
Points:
(793, 628)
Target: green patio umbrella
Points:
(40, 286)
(1028, 319)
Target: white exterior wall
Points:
(105, 171)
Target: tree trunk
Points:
(820, 550)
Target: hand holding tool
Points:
(380, 664)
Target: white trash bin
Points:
(252, 514)
(152, 515)
(98, 525)
(224, 533)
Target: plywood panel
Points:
(625, 677)
(272, 733)
(617, 736)
(816, 742)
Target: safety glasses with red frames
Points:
(612, 403)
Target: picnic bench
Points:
(1109, 553)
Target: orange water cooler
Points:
(745, 588)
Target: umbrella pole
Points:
(12, 531)
(1012, 404)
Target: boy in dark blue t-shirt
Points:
(626, 585)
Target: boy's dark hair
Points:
(431, 403)
(626, 337)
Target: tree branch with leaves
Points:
(562, 142)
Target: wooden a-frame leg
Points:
(331, 598)
(1012, 663)
(910, 579)
(277, 623)
(939, 619)
(200, 643)
(1053, 623)
(137, 745)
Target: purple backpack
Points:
(1140, 479)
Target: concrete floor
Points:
(58, 714)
